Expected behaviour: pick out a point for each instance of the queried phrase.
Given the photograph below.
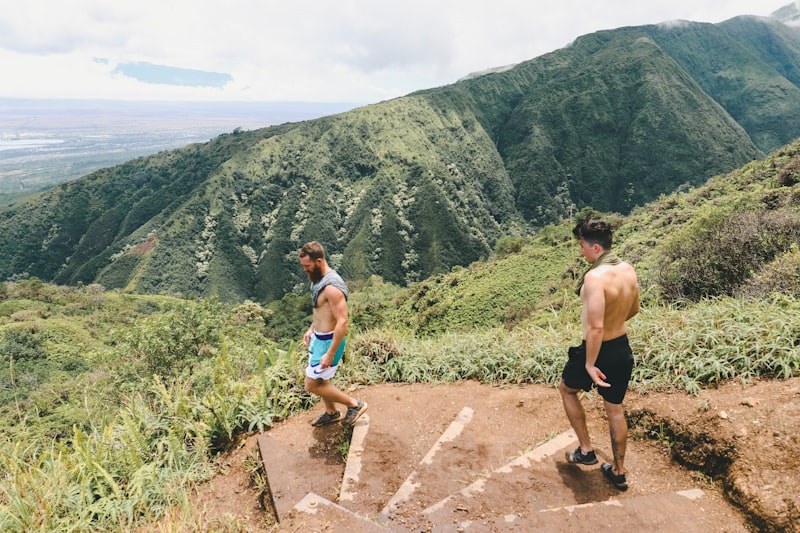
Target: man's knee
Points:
(565, 390)
(614, 410)
(311, 385)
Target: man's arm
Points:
(594, 307)
(338, 306)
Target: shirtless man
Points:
(326, 337)
(609, 292)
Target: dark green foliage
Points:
(21, 345)
(119, 275)
(170, 341)
(723, 250)
(290, 317)
(508, 245)
(278, 270)
(776, 47)
(234, 271)
(610, 132)
(758, 51)
(371, 303)
(780, 276)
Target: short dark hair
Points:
(595, 231)
(312, 249)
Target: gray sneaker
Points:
(326, 419)
(617, 480)
(353, 413)
(580, 458)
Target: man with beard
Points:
(327, 336)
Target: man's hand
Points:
(597, 376)
(307, 336)
(327, 359)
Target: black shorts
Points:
(615, 361)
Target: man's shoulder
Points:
(612, 267)
(333, 291)
(608, 273)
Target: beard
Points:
(315, 275)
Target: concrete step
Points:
(406, 494)
(286, 451)
(682, 511)
(453, 487)
(352, 471)
(456, 445)
(315, 513)
(498, 493)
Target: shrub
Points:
(166, 341)
(22, 344)
(508, 245)
(721, 252)
(290, 317)
(781, 275)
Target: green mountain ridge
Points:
(412, 187)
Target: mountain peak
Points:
(788, 14)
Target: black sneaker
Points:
(326, 419)
(618, 481)
(353, 413)
(580, 458)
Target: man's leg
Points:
(576, 415)
(329, 394)
(618, 428)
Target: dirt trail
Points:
(735, 444)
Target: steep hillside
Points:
(737, 235)
(412, 187)
(748, 69)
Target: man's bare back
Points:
(616, 289)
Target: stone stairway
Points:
(461, 483)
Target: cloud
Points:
(313, 50)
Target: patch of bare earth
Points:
(736, 442)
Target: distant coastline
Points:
(47, 142)
(32, 114)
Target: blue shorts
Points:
(319, 344)
(616, 362)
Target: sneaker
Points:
(326, 419)
(581, 458)
(618, 481)
(353, 413)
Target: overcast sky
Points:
(360, 51)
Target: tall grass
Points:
(149, 459)
(698, 345)
(676, 347)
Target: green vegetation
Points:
(411, 188)
(113, 406)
